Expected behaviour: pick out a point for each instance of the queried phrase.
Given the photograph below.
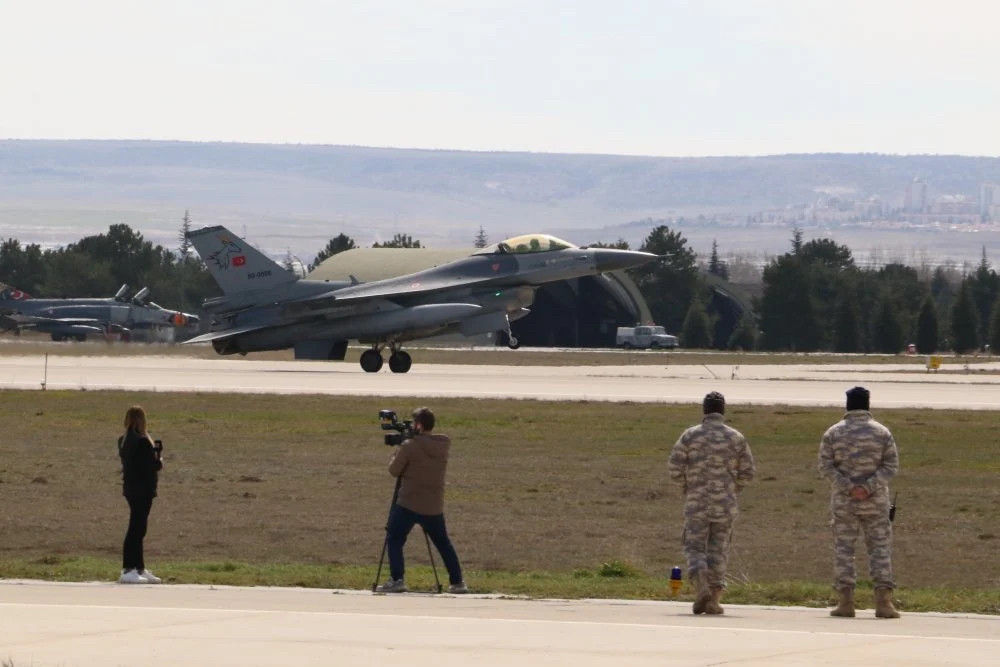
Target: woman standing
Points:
(141, 463)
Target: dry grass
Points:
(548, 487)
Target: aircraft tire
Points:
(371, 361)
(513, 343)
(400, 362)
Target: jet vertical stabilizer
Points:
(235, 264)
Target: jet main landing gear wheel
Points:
(371, 361)
(400, 362)
(513, 343)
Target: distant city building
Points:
(989, 201)
(915, 200)
(954, 205)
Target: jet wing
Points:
(28, 320)
(393, 287)
(226, 333)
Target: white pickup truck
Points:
(653, 337)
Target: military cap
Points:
(857, 398)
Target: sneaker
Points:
(459, 588)
(392, 586)
(150, 577)
(131, 577)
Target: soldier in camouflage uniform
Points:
(712, 462)
(858, 455)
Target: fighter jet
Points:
(76, 319)
(266, 307)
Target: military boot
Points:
(713, 606)
(883, 604)
(702, 596)
(845, 607)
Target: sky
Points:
(667, 78)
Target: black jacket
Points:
(140, 465)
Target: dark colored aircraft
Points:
(266, 307)
(76, 319)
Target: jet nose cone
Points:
(608, 259)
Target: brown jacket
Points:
(421, 462)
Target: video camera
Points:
(389, 423)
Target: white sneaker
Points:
(150, 577)
(458, 589)
(392, 586)
(131, 577)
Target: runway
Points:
(98, 624)
(819, 385)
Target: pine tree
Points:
(336, 245)
(888, 333)
(796, 240)
(995, 328)
(745, 335)
(984, 288)
(846, 327)
(399, 241)
(716, 266)
(185, 248)
(669, 284)
(964, 322)
(927, 327)
(481, 240)
(697, 331)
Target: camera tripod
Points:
(385, 544)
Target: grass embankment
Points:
(561, 499)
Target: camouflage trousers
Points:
(847, 527)
(706, 547)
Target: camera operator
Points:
(420, 464)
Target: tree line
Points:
(813, 297)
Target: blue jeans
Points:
(401, 522)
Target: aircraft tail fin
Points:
(235, 264)
(8, 293)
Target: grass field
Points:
(565, 499)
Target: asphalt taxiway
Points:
(99, 624)
(978, 387)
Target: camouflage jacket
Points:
(858, 451)
(712, 462)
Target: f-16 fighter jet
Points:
(76, 319)
(266, 307)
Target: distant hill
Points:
(298, 196)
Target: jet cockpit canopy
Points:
(526, 243)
